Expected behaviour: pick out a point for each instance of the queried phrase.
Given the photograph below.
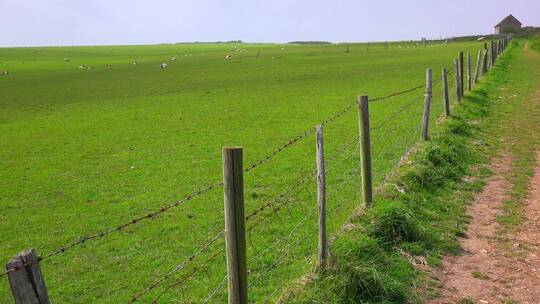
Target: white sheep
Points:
(228, 56)
(174, 58)
(67, 60)
(82, 66)
(135, 62)
(5, 73)
(163, 65)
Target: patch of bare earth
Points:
(492, 269)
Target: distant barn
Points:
(508, 25)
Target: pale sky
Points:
(97, 22)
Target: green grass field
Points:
(83, 150)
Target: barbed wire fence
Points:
(281, 231)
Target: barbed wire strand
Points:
(133, 221)
(178, 267)
(396, 114)
(215, 290)
(190, 275)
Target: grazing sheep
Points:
(82, 66)
(67, 60)
(163, 65)
(174, 58)
(5, 73)
(135, 62)
(89, 67)
(228, 56)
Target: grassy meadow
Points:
(82, 150)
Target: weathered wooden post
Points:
(461, 75)
(484, 62)
(235, 240)
(427, 104)
(322, 252)
(477, 69)
(25, 279)
(457, 81)
(446, 98)
(469, 78)
(493, 53)
(365, 150)
(490, 55)
(485, 66)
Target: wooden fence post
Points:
(477, 69)
(485, 64)
(461, 75)
(469, 78)
(365, 150)
(446, 98)
(493, 53)
(490, 55)
(456, 77)
(322, 252)
(25, 279)
(235, 240)
(427, 104)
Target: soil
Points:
(496, 268)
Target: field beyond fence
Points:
(281, 209)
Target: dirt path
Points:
(495, 269)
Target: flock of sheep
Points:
(162, 65)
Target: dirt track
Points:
(491, 269)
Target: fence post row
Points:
(446, 98)
(25, 279)
(427, 104)
(235, 240)
(322, 252)
(365, 150)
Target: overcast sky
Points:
(83, 22)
